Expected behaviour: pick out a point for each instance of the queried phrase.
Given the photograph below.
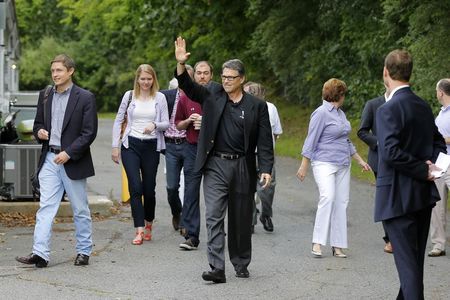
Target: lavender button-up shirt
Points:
(327, 139)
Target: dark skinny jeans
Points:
(141, 162)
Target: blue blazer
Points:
(368, 130)
(407, 138)
(78, 131)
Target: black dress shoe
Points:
(81, 260)
(242, 272)
(267, 223)
(31, 259)
(176, 222)
(216, 276)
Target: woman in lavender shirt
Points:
(329, 150)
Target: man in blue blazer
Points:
(408, 144)
(66, 124)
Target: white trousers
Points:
(333, 182)
(439, 213)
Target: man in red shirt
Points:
(188, 117)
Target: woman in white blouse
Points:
(145, 110)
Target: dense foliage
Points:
(292, 46)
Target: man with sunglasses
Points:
(234, 123)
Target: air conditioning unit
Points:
(18, 162)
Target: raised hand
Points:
(180, 50)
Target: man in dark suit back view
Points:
(408, 143)
(368, 134)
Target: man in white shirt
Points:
(439, 212)
(265, 195)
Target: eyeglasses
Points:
(229, 78)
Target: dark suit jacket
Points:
(257, 130)
(170, 97)
(78, 132)
(368, 131)
(407, 137)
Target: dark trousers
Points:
(175, 156)
(386, 236)
(141, 161)
(190, 215)
(265, 196)
(408, 236)
(226, 184)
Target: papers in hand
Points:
(442, 162)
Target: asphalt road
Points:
(281, 268)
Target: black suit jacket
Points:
(368, 130)
(78, 132)
(407, 138)
(170, 97)
(257, 130)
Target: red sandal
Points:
(148, 232)
(139, 239)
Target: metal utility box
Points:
(17, 162)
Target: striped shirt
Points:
(172, 131)
(59, 104)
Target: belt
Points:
(176, 141)
(54, 150)
(149, 140)
(228, 155)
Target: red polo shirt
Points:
(185, 108)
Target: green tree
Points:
(290, 46)
(429, 26)
(41, 18)
(35, 63)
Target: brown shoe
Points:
(176, 222)
(33, 259)
(388, 247)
